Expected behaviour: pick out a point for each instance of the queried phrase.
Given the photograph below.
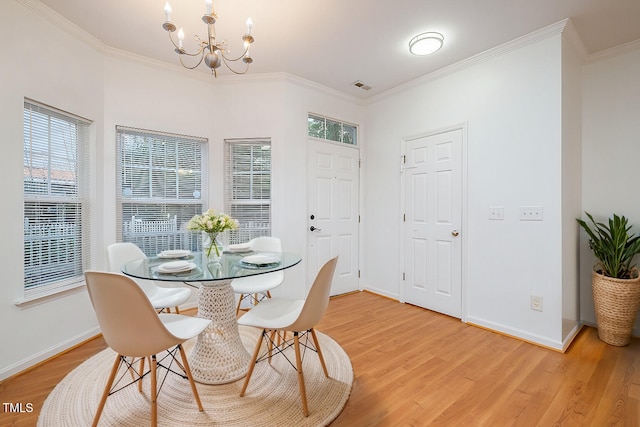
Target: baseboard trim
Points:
(47, 355)
(519, 335)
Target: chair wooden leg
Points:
(303, 393)
(252, 364)
(272, 337)
(153, 392)
(105, 394)
(315, 341)
(177, 309)
(239, 302)
(141, 372)
(187, 370)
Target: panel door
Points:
(432, 185)
(332, 222)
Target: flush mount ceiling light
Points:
(426, 43)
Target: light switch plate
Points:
(530, 213)
(496, 212)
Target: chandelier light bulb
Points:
(167, 11)
(180, 38)
(426, 43)
(249, 25)
(209, 6)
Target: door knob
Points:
(312, 228)
(455, 233)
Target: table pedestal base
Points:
(219, 356)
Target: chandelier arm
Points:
(226, 62)
(191, 67)
(234, 59)
(181, 51)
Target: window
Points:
(160, 187)
(56, 206)
(248, 187)
(332, 130)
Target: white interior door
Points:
(332, 222)
(432, 189)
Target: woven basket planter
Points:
(616, 303)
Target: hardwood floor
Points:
(414, 367)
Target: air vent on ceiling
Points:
(361, 85)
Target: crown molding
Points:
(62, 23)
(503, 49)
(229, 78)
(614, 51)
(575, 42)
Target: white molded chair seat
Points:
(161, 298)
(120, 303)
(276, 315)
(258, 287)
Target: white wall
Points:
(611, 149)
(571, 187)
(49, 66)
(511, 105)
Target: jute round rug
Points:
(272, 397)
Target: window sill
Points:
(46, 295)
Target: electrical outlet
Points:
(496, 212)
(536, 303)
(530, 213)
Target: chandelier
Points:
(212, 52)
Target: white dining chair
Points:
(119, 303)
(280, 315)
(161, 298)
(256, 288)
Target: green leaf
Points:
(612, 244)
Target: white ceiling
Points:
(336, 42)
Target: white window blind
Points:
(248, 187)
(56, 207)
(161, 183)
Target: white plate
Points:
(261, 260)
(240, 247)
(175, 253)
(176, 267)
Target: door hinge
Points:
(403, 276)
(358, 274)
(359, 163)
(404, 217)
(404, 158)
(358, 219)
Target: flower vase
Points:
(211, 247)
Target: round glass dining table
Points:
(219, 356)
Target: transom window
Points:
(248, 187)
(56, 206)
(161, 183)
(332, 130)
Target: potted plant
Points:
(615, 279)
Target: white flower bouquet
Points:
(212, 223)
